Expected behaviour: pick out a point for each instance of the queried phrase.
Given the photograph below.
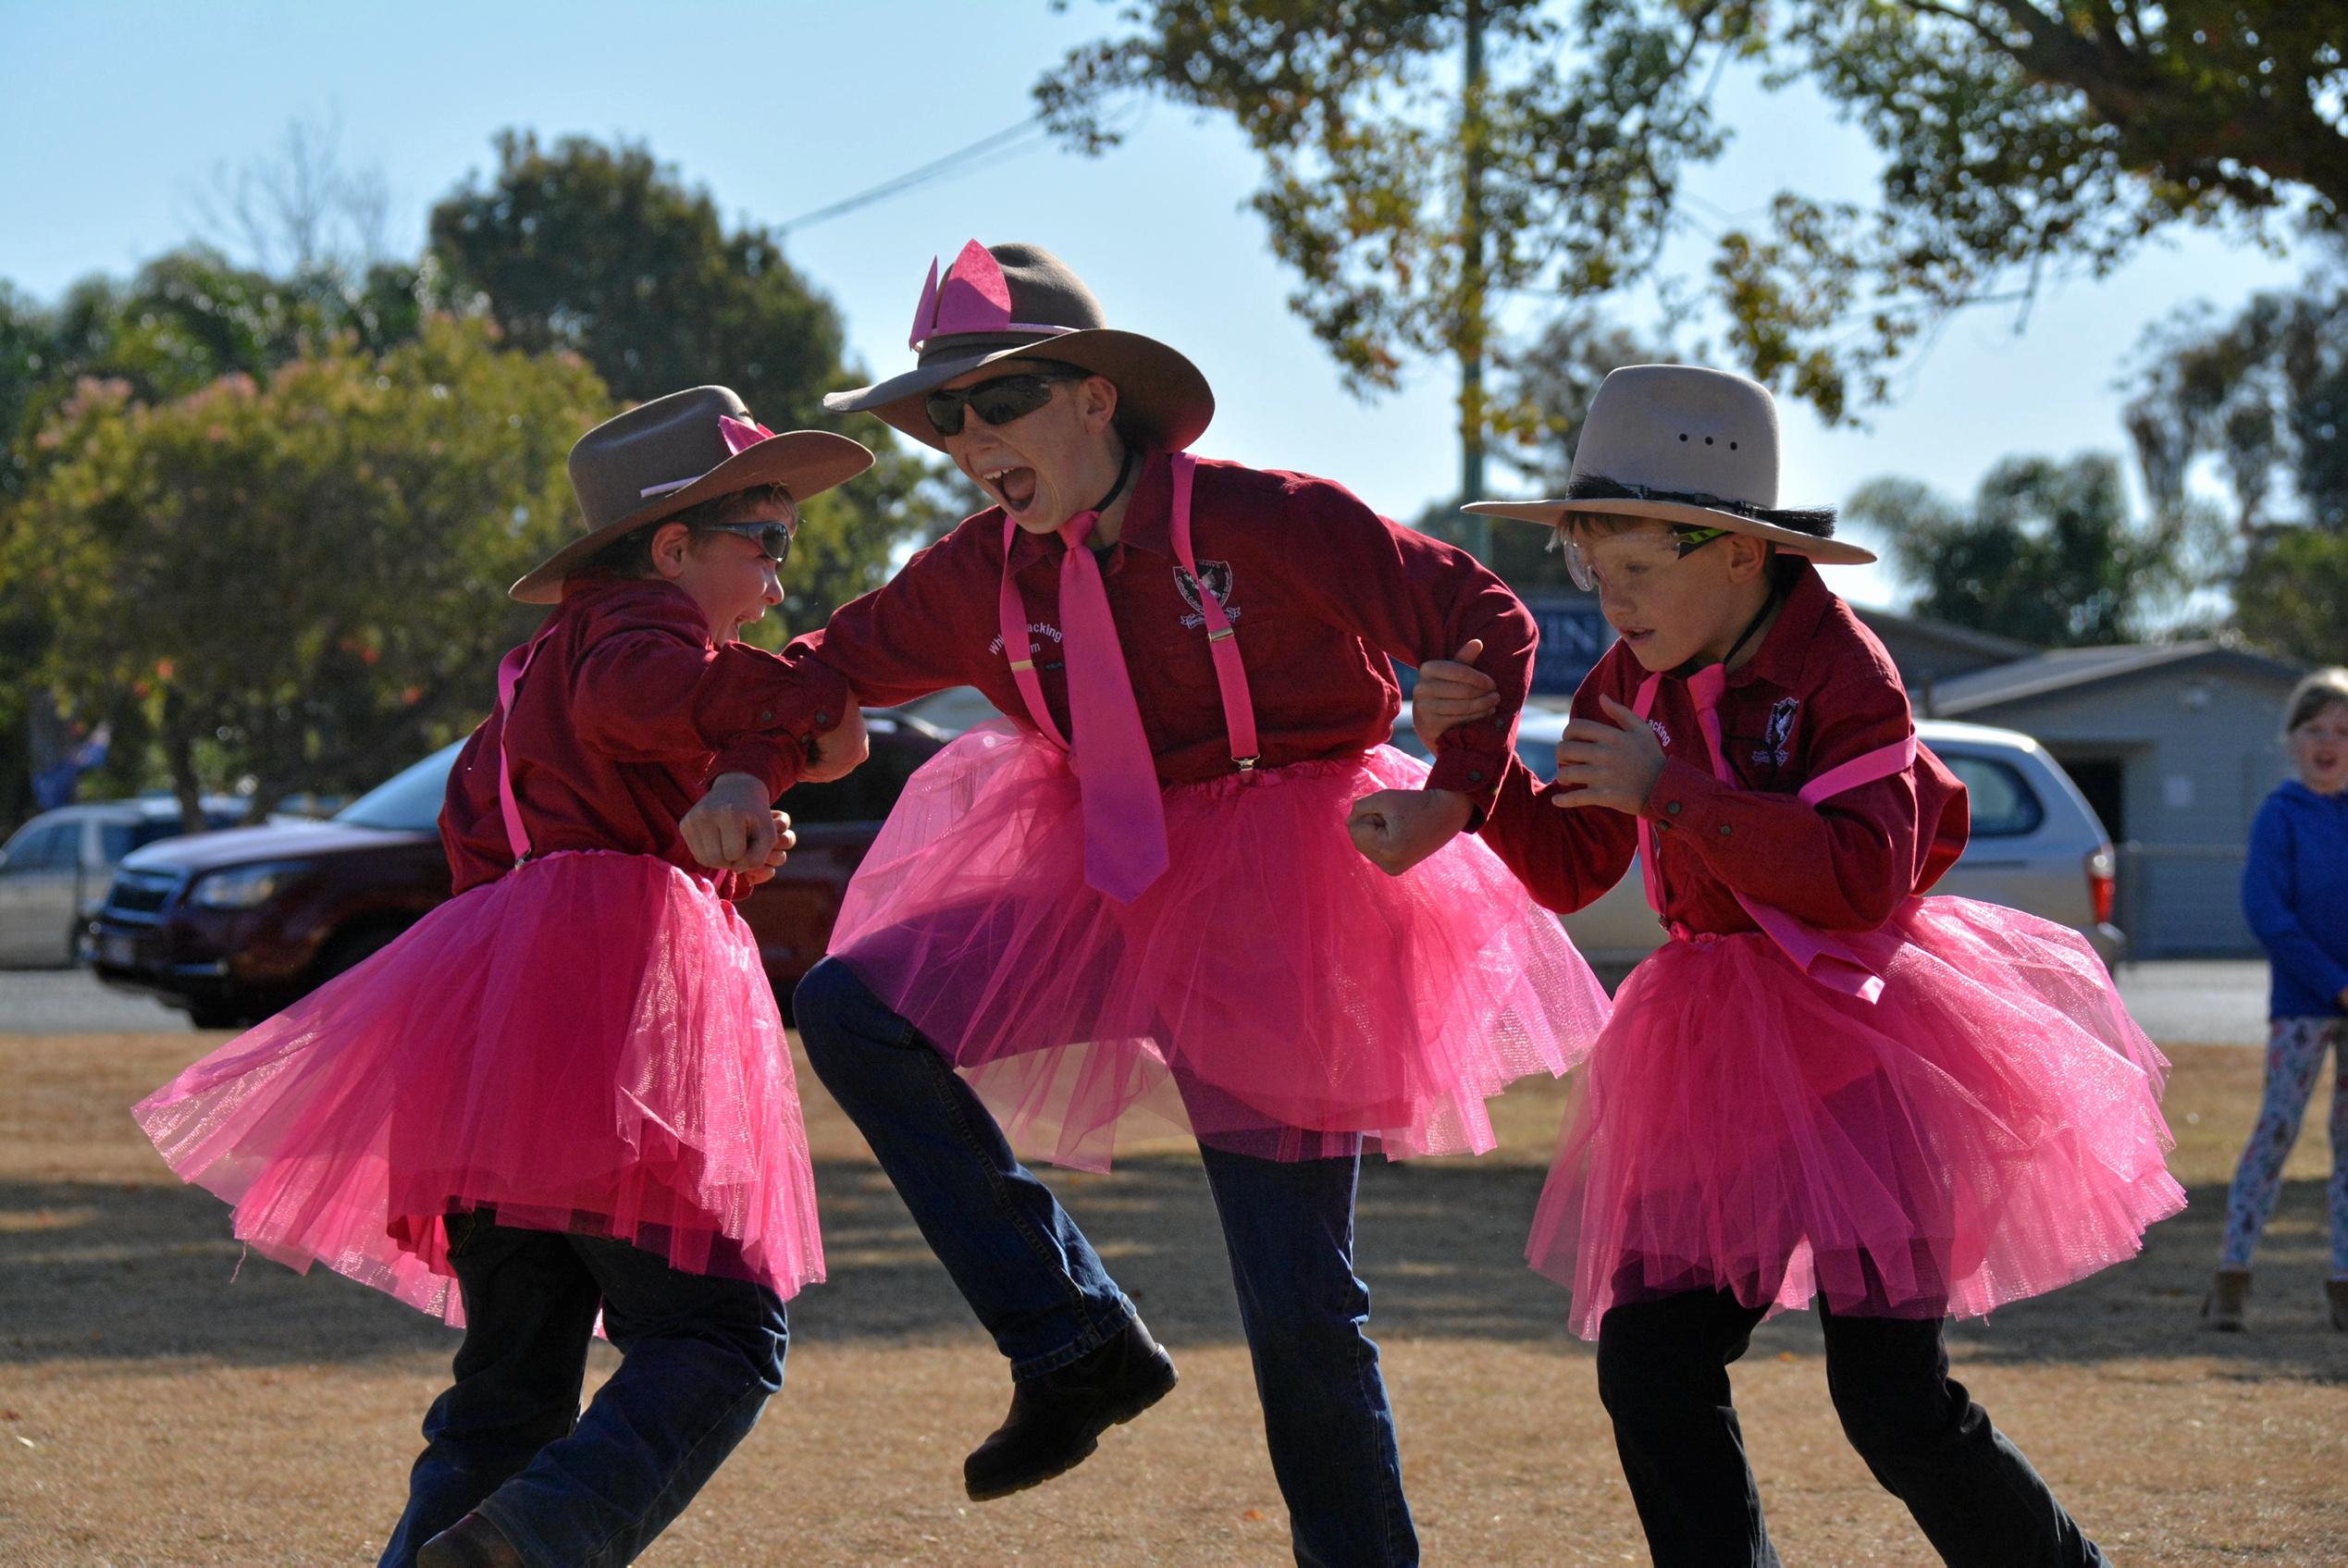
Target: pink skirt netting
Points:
(1273, 992)
(588, 1044)
(1988, 1131)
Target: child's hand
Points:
(1450, 692)
(839, 750)
(784, 840)
(735, 827)
(1612, 765)
(1396, 829)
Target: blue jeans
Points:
(1039, 1287)
(701, 1356)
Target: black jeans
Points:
(1662, 1374)
(700, 1357)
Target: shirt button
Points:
(1672, 806)
(822, 717)
(1725, 829)
(764, 714)
(1475, 776)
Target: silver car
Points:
(2036, 845)
(55, 869)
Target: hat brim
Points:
(807, 463)
(1160, 393)
(1826, 552)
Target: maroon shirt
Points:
(1319, 589)
(1819, 692)
(627, 713)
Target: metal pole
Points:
(1478, 534)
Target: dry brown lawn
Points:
(159, 1405)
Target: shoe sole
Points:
(1136, 1406)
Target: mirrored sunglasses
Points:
(995, 402)
(773, 539)
(1682, 541)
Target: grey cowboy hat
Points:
(1013, 301)
(1683, 444)
(677, 451)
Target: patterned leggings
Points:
(2294, 1051)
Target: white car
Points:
(2036, 845)
(54, 869)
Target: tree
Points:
(2046, 554)
(300, 580)
(605, 252)
(2022, 139)
(2263, 399)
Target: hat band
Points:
(955, 345)
(1816, 521)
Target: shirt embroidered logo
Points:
(1778, 743)
(1217, 575)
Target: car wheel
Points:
(216, 1015)
(349, 948)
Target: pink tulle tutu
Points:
(588, 1043)
(1273, 992)
(1988, 1131)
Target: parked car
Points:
(232, 926)
(54, 871)
(2036, 845)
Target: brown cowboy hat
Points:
(677, 451)
(1022, 302)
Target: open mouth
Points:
(1013, 485)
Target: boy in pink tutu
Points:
(1826, 1087)
(566, 1090)
(1173, 919)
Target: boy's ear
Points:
(670, 545)
(1748, 557)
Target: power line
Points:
(1004, 142)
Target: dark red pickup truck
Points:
(232, 926)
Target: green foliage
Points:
(300, 579)
(606, 252)
(2292, 597)
(2023, 139)
(2265, 395)
(2046, 554)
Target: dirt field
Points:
(157, 1405)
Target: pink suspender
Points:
(1018, 644)
(1818, 953)
(1230, 674)
(510, 669)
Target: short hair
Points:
(2312, 696)
(630, 555)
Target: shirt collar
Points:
(1148, 516)
(1784, 647)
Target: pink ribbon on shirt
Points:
(1818, 953)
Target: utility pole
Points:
(1478, 535)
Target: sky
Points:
(119, 115)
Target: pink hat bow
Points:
(974, 298)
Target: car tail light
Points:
(2101, 867)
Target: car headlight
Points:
(245, 886)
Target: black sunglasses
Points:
(997, 401)
(773, 538)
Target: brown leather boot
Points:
(2229, 1293)
(1057, 1419)
(471, 1542)
(2336, 1293)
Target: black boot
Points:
(471, 1542)
(1057, 1419)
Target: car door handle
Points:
(1992, 865)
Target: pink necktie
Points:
(1124, 817)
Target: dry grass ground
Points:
(157, 1406)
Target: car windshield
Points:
(408, 801)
